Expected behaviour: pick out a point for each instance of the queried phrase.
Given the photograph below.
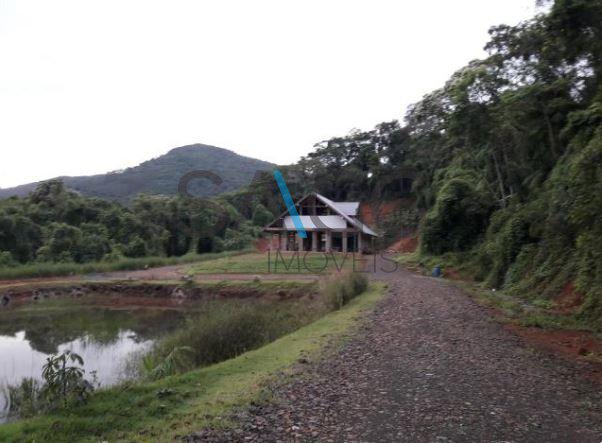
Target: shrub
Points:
(340, 291)
(7, 260)
(458, 218)
(25, 399)
(63, 385)
(226, 329)
(261, 215)
(64, 380)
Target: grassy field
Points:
(144, 412)
(37, 270)
(281, 263)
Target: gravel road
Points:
(429, 365)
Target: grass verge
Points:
(178, 405)
(37, 270)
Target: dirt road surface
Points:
(429, 365)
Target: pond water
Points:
(107, 338)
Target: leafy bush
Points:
(64, 381)
(457, 220)
(63, 385)
(7, 260)
(230, 330)
(261, 216)
(341, 290)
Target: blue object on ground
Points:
(436, 271)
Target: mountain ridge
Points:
(160, 175)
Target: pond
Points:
(106, 337)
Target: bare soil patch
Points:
(568, 301)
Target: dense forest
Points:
(505, 162)
(506, 159)
(54, 224)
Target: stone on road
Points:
(428, 365)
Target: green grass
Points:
(198, 398)
(272, 263)
(37, 270)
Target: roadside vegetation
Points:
(172, 403)
(276, 262)
(529, 309)
(55, 229)
(36, 270)
(504, 160)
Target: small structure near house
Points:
(330, 226)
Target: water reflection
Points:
(105, 337)
(21, 360)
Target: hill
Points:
(162, 174)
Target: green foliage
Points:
(399, 223)
(111, 262)
(341, 290)
(54, 225)
(25, 399)
(64, 381)
(241, 238)
(227, 329)
(230, 328)
(6, 259)
(458, 218)
(63, 386)
(172, 363)
(130, 411)
(261, 216)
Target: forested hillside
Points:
(56, 225)
(160, 175)
(506, 159)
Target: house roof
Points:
(352, 220)
(308, 222)
(349, 208)
(347, 213)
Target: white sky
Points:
(92, 86)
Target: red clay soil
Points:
(452, 274)
(568, 301)
(371, 213)
(262, 244)
(405, 244)
(580, 346)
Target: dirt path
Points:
(175, 272)
(429, 365)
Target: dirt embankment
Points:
(372, 213)
(405, 244)
(153, 294)
(568, 301)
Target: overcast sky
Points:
(92, 86)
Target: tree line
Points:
(54, 224)
(505, 159)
